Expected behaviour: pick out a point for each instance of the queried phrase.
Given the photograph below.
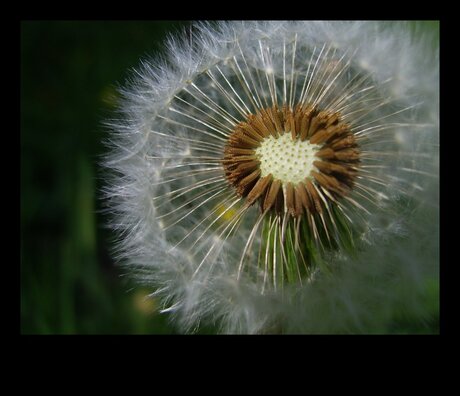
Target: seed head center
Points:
(286, 159)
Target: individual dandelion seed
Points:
(262, 154)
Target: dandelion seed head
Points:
(261, 170)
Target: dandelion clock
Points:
(281, 177)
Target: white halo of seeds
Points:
(179, 176)
(286, 159)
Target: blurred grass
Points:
(69, 284)
(69, 70)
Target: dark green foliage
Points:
(69, 72)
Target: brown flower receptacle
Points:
(296, 187)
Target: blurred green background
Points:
(69, 72)
(69, 283)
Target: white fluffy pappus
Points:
(221, 242)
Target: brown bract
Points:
(334, 170)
